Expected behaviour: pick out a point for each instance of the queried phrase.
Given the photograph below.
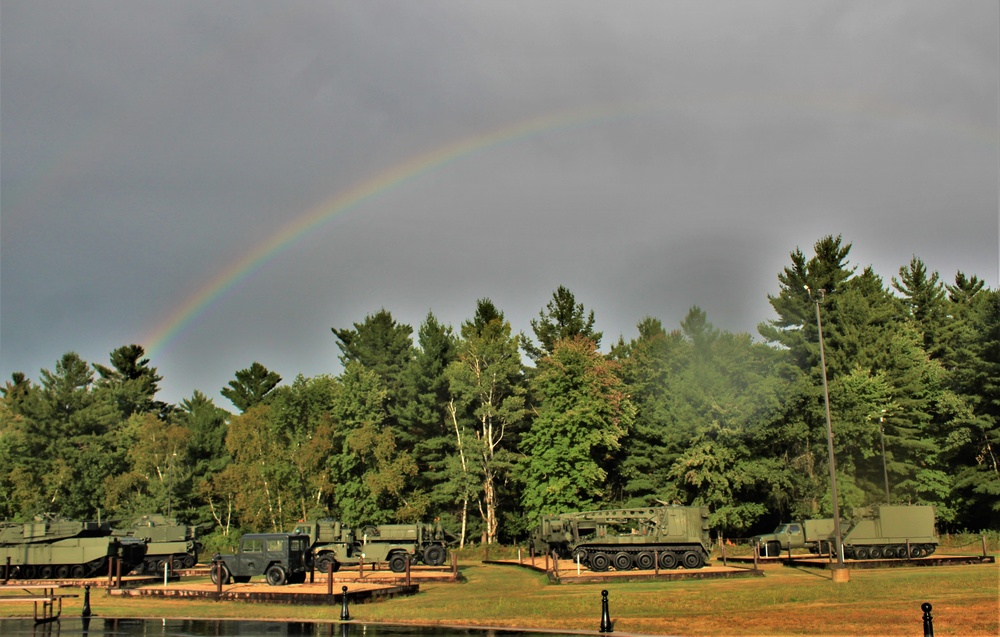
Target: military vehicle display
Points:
(168, 543)
(670, 536)
(795, 535)
(280, 557)
(885, 531)
(874, 532)
(335, 544)
(50, 548)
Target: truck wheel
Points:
(773, 549)
(668, 560)
(644, 561)
(397, 563)
(434, 555)
(599, 562)
(276, 575)
(623, 561)
(692, 559)
(220, 573)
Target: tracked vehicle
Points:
(642, 538)
(168, 543)
(50, 548)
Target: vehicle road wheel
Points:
(875, 552)
(915, 552)
(644, 561)
(220, 573)
(397, 563)
(45, 572)
(623, 561)
(176, 564)
(929, 549)
(434, 555)
(861, 552)
(599, 562)
(668, 560)
(78, 571)
(189, 561)
(62, 571)
(276, 576)
(692, 559)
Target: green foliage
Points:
(693, 415)
(252, 386)
(582, 413)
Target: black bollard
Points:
(86, 601)
(344, 615)
(928, 620)
(605, 615)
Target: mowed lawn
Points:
(787, 601)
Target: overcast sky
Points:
(650, 156)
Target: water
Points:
(101, 627)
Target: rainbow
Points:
(158, 338)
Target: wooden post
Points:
(118, 583)
(454, 566)
(218, 578)
(908, 554)
(555, 564)
(329, 578)
(756, 554)
(982, 536)
(407, 570)
(546, 561)
(656, 559)
(6, 571)
(111, 570)
(361, 567)
(722, 545)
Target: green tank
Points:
(168, 542)
(50, 547)
(639, 538)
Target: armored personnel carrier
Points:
(168, 542)
(50, 547)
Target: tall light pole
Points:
(841, 574)
(885, 468)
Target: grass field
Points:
(787, 601)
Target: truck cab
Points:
(783, 538)
(281, 557)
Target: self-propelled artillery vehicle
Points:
(641, 538)
(50, 547)
(168, 543)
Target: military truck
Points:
(885, 531)
(335, 544)
(167, 541)
(51, 547)
(641, 538)
(873, 532)
(280, 557)
(796, 535)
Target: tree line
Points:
(486, 429)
